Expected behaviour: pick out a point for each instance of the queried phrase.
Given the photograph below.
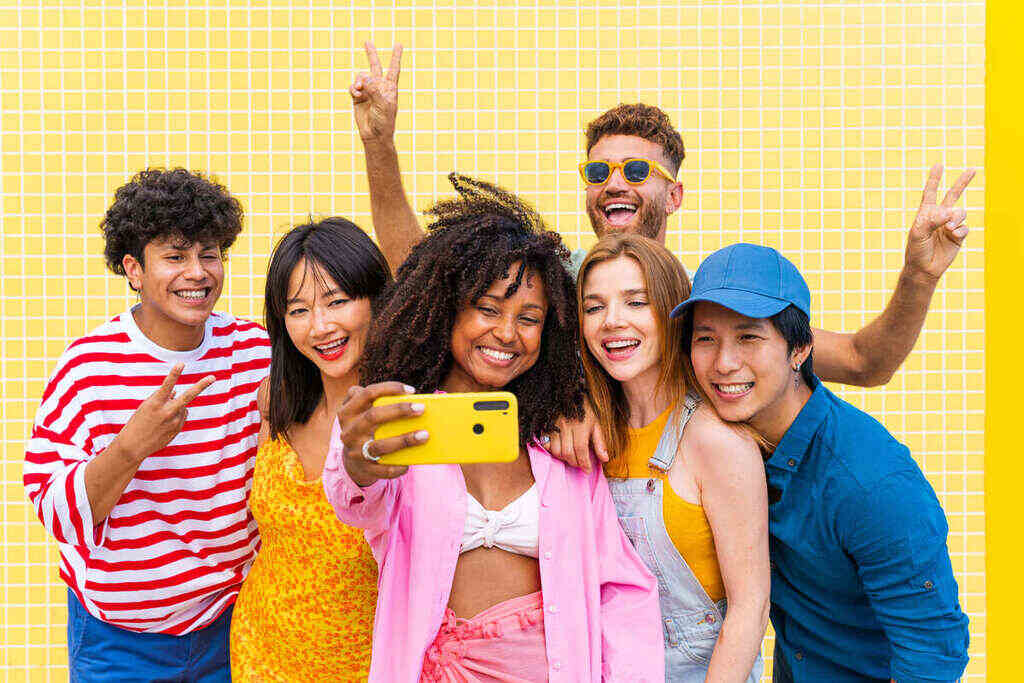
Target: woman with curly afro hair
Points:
(490, 571)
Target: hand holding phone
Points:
(464, 428)
(358, 418)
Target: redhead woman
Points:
(689, 489)
(305, 611)
(489, 572)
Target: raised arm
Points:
(870, 356)
(375, 104)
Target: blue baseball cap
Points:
(752, 280)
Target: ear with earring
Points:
(796, 379)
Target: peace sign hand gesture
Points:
(160, 417)
(938, 229)
(375, 96)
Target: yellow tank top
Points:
(305, 612)
(685, 522)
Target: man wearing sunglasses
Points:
(633, 158)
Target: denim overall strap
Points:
(668, 445)
(691, 620)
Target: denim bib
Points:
(691, 621)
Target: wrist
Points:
(122, 452)
(359, 473)
(379, 143)
(917, 277)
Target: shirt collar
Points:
(797, 440)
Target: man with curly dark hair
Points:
(633, 157)
(538, 577)
(141, 455)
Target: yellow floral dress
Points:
(305, 612)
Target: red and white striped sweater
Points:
(171, 556)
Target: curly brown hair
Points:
(473, 241)
(643, 121)
(158, 203)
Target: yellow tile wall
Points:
(809, 126)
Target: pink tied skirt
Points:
(502, 644)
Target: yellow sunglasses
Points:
(634, 171)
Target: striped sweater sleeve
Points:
(55, 459)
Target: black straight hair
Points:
(335, 247)
(795, 327)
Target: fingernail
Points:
(951, 224)
(408, 389)
(421, 435)
(417, 407)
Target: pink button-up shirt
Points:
(602, 619)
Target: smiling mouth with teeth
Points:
(193, 294)
(332, 350)
(736, 388)
(332, 345)
(496, 355)
(620, 344)
(619, 212)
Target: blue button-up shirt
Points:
(862, 586)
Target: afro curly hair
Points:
(473, 241)
(157, 204)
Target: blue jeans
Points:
(98, 651)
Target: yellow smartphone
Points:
(464, 428)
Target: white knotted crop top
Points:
(515, 528)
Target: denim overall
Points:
(691, 621)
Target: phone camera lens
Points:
(478, 428)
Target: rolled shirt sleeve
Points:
(897, 538)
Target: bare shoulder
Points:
(715, 447)
(263, 398)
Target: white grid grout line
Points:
(809, 126)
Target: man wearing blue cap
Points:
(862, 586)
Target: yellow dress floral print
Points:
(305, 612)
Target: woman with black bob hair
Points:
(492, 571)
(305, 612)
